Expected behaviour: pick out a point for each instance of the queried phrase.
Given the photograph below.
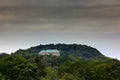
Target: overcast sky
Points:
(26, 23)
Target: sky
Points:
(26, 23)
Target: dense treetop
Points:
(75, 50)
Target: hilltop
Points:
(74, 50)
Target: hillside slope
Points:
(74, 50)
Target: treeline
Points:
(75, 50)
(36, 67)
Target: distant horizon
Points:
(56, 44)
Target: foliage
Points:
(77, 62)
(18, 68)
(92, 70)
(74, 50)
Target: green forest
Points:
(77, 62)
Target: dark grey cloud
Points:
(11, 10)
(58, 2)
(79, 16)
(58, 15)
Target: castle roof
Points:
(49, 51)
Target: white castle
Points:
(54, 52)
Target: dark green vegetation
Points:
(71, 65)
(73, 50)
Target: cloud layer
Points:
(75, 16)
(80, 13)
(12, 9)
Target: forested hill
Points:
(77, 62)
(73, 50)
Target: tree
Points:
(18, 68)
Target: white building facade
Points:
(53, 52)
